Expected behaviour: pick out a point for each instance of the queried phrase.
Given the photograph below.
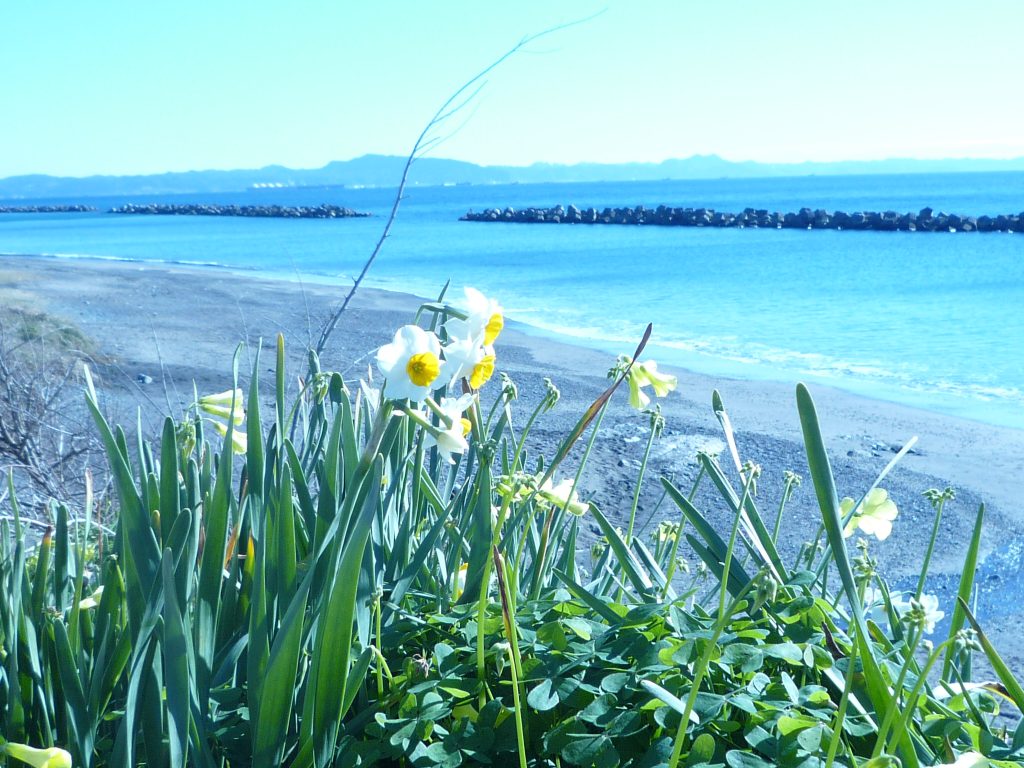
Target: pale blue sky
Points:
(143, 87)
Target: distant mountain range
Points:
(386, 170)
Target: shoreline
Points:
(766, 407)
(182, 323)
(708, 365)
(756, 404)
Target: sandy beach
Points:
(172, 326)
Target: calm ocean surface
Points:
(931, 320)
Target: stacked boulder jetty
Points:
(46, 209)
(254, 211)
(927, 220)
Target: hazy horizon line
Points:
(546, 163)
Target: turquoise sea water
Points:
(931, 320)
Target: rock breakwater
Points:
(253, 211)
(926, 220)
(46, 209)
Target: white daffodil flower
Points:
(461, 356)
(410, 363)
(563, 495)
(874, 516)
(647, 374)
(484, 319)
(451, 436)
(52, 757)
(465, 358)
(220, 405)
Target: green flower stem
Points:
(520, 735)
(538, 574)
(970, 701)
(639, 483)
(809, 548)
(720, 625)
(844, 700)
(908, 710)
(928, 552)
(787, 492)
(522, 545)
(912, 640)
(382, 664)
(377, 629)
(724, 587)
(542, 406)
(481, 612)
(511, 631)
(670, 572)
(698, 677)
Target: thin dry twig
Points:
(423, 143)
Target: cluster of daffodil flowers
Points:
(217, 410)
(417, 363)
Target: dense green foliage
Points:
(339, 594)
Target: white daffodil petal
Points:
(484, 319)
(387, 357)
(460, 358)
(410, 363)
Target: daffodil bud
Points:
(551, 394)
(657, 421)
(509, 390)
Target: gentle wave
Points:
(927, 321)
